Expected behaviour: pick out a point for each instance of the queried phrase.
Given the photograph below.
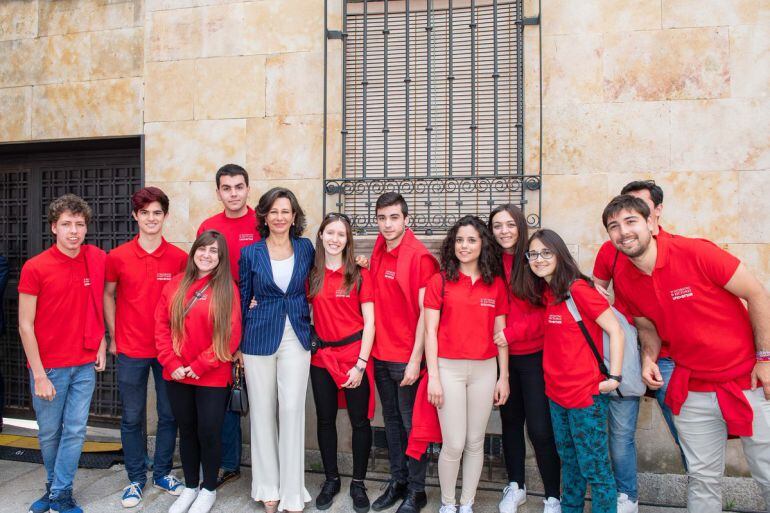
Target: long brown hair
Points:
(221, 304)
(565, 272)
(352, 272)
(520, 266)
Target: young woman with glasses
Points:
(342, 300)
(573, 382)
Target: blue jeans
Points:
(623, 414)
(666, 367)
(581, 439)
(132, 385)
(62, 422)
(231, 442)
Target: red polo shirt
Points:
(239, 232)
(337, 311)
(525, 322)
(62, 288)
(140, 278)
(395, 331)
(468, 310)
(571, 371)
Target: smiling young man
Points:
(137, 271)
(61, 325)
(689, 291)
(624, 412)
(400, 267)
(238, 223)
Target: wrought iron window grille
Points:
(433, 108)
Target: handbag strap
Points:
(194, 299)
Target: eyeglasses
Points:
(545, 254)
(338, 215)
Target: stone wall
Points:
(675, 90)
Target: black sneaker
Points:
(358, 494)
(225, 476)
(329, 489)
(413, 502)
(392, 494)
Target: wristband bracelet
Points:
(763, 359)
(365, 361)
(763, 354)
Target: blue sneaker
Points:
(64, 503)
(169, 484)
(132, 494)
(43, 504)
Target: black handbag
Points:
(239, 398)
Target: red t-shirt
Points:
(239, 232)
(140, 278)
(611, 263)
(708, 327)
(525, 322)
(336, 311)
(197, 349)
(468, 310)
(571, 371)
(394, 339)
(62, 287)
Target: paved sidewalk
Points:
(98, 491)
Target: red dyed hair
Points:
(144, 197)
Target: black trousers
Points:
(325, 396)
(199, 413)
(528, 402)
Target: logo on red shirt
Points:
(488, 302)
(554, 319)
(245, 236)
(681, 293)
(86, 282)
(390, 275)
(341, 293)
(163, 277)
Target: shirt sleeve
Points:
(716, 263)
(29, 281)
(433, 299)
(501, 302)
(366, 294)
(111, 268)
(604, 260)
(591, 304)
(428, 267)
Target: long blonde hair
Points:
(221, 304)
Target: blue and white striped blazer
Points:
(263, 325)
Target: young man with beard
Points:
(61, 323)
(401, 267)
(689, 291)
(624, 412)
(238, 223)
(137, 271)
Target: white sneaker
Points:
(204, 502)
(552, 505)
(448, 508)
(466, 508)
(513, 497)
(626, 505)
(184, 501)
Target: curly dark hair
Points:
(266, 203)
(490, 263)
(68, 203)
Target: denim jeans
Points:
(132, 384)
(62, 422)
(666, 367)
(397, 405)
(581, 439)
(231, 442)
(623, 414)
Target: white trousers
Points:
(703, 435)
(277, 386)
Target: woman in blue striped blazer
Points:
(276, 349)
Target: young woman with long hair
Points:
(523, 333)
(465, 305)
(342, 301)
(197, 330)
(573, 382)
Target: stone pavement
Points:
(98, 491)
